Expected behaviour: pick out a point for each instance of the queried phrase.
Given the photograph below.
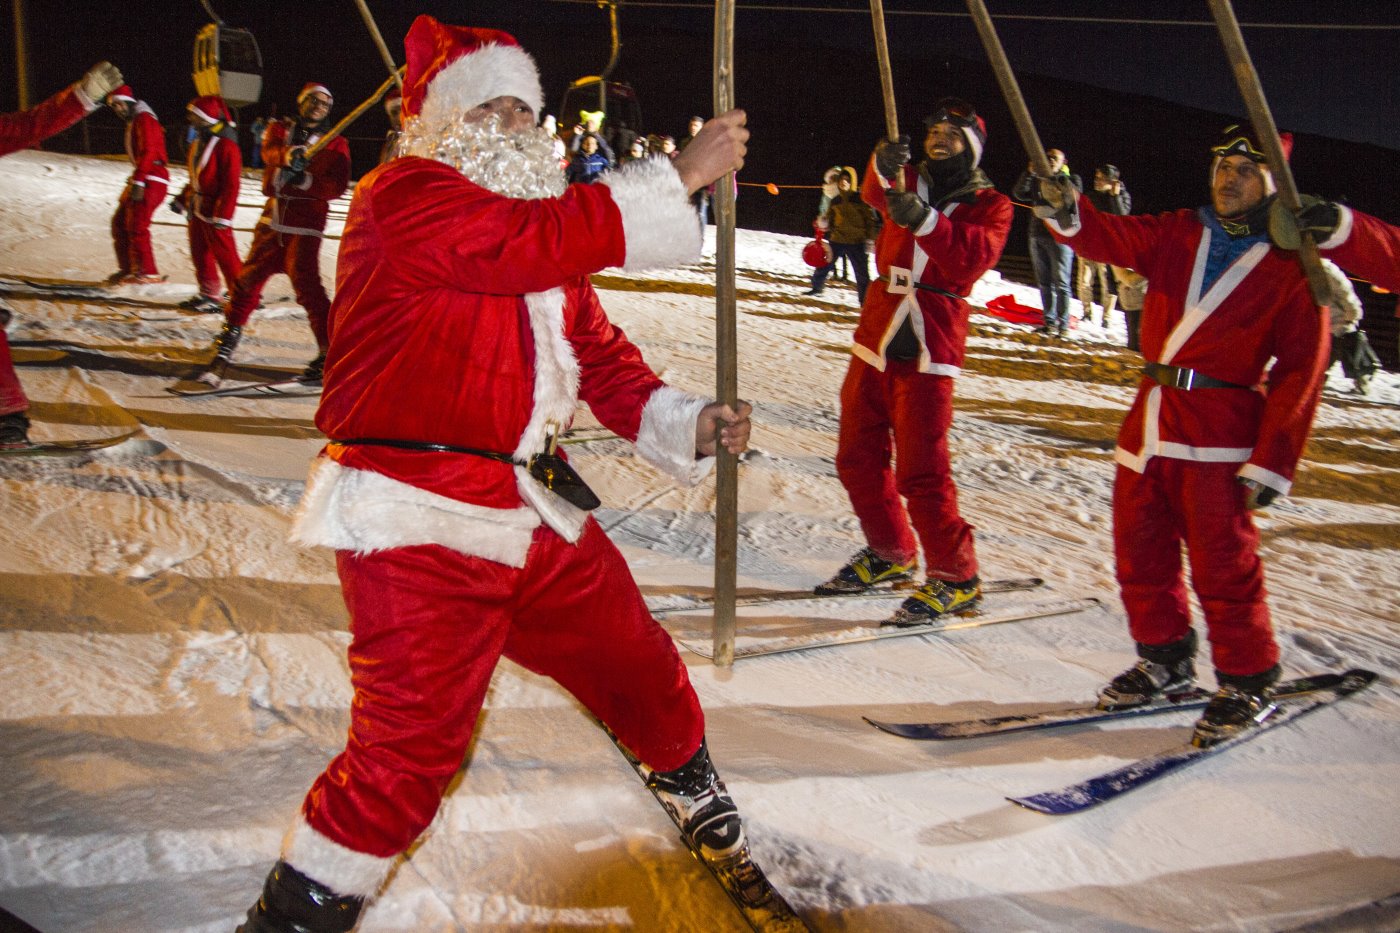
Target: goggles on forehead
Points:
(1239, 145)
(952, 110)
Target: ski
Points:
(1046, 719)
(743, 881)
(1296, 698)
(750, 647)
(62, 448)
(54, 289)
(292, 388)
(885, 591)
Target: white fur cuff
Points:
(1265, 478)
(659, 223)
(346, 872)
(666, 439)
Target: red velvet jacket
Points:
(301, 208)
(145, 147)
(964, 241)
(215, 168)
(1367, 247)
(24, 129)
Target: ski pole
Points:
(726, 341)
(882, 56)
(1020, 113)
(1263, 119)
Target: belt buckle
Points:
(901, 281)
(1184, 378)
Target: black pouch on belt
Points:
(555, 474)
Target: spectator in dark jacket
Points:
(589, 163)
(1052, 260)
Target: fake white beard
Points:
(516, 165)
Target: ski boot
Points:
(1241, 703)
(936, 599)
(1160, 670)
(293, 903)
(224, 345)
(864, 571)
(698, 800)
(140, 278)
(314, 370)
(14, 431)
(202, 304)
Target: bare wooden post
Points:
(726, 341)
(1263, 119)
(1010, 90)
(882, 56)
(378, 38)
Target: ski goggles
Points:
(954, 111)
(1239, 144)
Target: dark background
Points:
(1144, 85)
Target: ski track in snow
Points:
(175, 671)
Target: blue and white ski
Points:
(1297, 698)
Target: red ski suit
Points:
(466, 318)
(1180, 451)
(131, 224)
(903, 409)
(288, 235)
(20, 131)
(1367, 247)
(210, 198)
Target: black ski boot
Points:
(1160, 670)
(224, 345)
(697, 798)
(314, 370)
(14, 431)
(1241, 703)
(864, 571)
(293, 903)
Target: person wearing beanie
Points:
(210, 198)
(1051, 260)
(1215, 431)
(943, 230)
(18, 131)
(287, 237)
(144, 191)
(463, 335)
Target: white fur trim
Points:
(1265, 478)
(929, 223)
(346, 872)
(1343, 231)
(556, 373)
(363, 511)
(489, 72)
(659, 223)
(666, 438)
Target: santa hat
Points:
(312, 87)
(452, 69)
(1241, 139)
(121, 93)
(211, 109)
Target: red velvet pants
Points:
(428, 626)
(12, 397)
(296, 254)
(904, 414)
(213, 251)
(131, 230)
(1200, 505)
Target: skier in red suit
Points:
(144, 191)
(20, 131)
(463, 334)
(288, 235)
(210, 198)
(946, 228)
(1215, 430)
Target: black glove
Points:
(138, 193)
(891, 157)
(1258, 495)
(907, 209)
(1316, 216)
(177, 205)
(286, 177)
(297, 161)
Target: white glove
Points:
(101, 79)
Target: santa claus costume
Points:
(288, 236)
(215, 165)
(1211, 410)
(144, 191)
(463, 334)
(897, 399)
(1366, 246)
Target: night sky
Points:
(1148, 97)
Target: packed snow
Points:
(174, 672)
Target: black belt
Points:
(552, 472)
(929, 288)
(1178, 378)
